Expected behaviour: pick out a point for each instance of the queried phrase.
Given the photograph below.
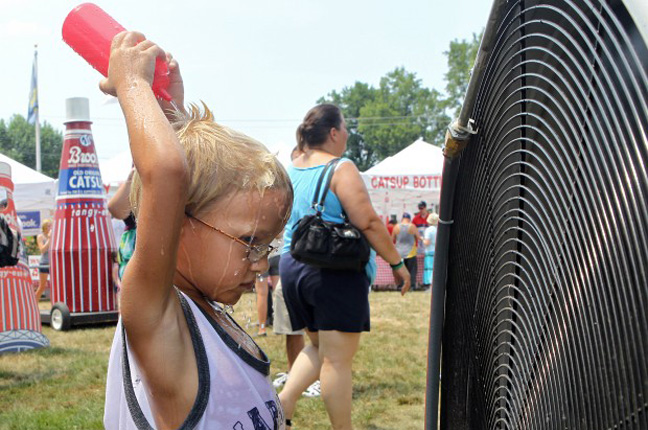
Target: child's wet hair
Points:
(221, 160)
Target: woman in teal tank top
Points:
(332, 305)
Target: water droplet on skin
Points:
(162, 251)
(227, 263)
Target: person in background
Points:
(429, 241)
(332, 305)
(120, 208)
(390, 224)
(262, 290)
(420, 219)
(43, 242)
(115, 274)
(406, 237)
(282, 325)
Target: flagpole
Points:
(38, 145)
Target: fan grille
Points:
(546, 321)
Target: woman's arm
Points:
(347, 184)
(426, 240)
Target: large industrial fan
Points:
(540, 291)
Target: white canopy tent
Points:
(398, 183)
(34, 195)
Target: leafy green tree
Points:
(17, 141)
(403, 111)
(461, 58)
(382, 121)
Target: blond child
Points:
(208, 201)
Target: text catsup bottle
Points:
(83, 238)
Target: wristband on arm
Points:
(397, 265)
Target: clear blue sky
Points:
(259, 64)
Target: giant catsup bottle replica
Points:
(82, 237)
(20, 323)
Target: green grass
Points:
(62, 387)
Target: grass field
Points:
(62, 387)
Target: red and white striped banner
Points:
(81, 261)
(19, 307)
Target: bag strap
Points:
(329, 166)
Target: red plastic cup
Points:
(90, 31)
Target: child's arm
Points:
(119, 204)
(147, 295)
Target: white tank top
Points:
(234, 390)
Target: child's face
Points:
(216, 265)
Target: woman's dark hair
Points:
(317, 124)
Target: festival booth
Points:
(20, 324)
(397, 184)
(82, 236)
(33, 195)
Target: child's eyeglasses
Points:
(254, 252)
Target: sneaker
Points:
(314, 390)
(262, 331)
(280, 379)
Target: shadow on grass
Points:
(52, 351)
(9, 380)
(17, 379)
(402, 392)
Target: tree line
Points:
(385, 119)
(18, 141)
(381, 120)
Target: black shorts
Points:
(273, 262)
(323, 299)
(43, 270)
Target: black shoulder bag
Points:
(9, 245)
(326, 244)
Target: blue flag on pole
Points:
(33, 95)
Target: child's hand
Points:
(176, 87)
(132, 62)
